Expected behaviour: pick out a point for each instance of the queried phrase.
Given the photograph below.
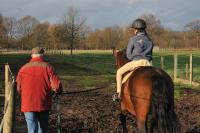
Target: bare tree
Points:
(25, 28)
(111, 37)
(74, 27)
(56, 35)
(2, 31)
(154, 27)
(11, 27)
(40, 35)
(153, 23)
(93, 40)
(194, 28)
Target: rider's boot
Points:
(116, 97)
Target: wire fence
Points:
(183, 67)
(105, 63)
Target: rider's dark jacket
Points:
(139, 47)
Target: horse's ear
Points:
(115, 52)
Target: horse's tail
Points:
(163, 117)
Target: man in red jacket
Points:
(35, 82)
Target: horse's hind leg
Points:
(141, 126)
(123, 122)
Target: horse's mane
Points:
(122, 53)
(121, 57)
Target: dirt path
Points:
(92, 112)
(188, 110)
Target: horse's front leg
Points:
(123, 122)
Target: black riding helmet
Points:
(139, 24)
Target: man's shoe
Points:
(116, 97)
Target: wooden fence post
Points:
(162, 62)
(9, 107)
(175, 66)
(186, 71)
(191, 69)
(6, 83)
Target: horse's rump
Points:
(151, 92)
(136, 92)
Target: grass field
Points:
(94, 68)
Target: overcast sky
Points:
(105, 13)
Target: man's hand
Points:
(60, 90)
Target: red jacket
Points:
(35, 81)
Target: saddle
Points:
(128, 74)
(126, 77)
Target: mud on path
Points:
(94, 111)
(188, 110)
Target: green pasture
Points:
(96, 68)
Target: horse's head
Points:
(120, 58)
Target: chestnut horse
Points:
(148, 95)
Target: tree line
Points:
(73, 33)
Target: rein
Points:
(56, 98)
(88, 90)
